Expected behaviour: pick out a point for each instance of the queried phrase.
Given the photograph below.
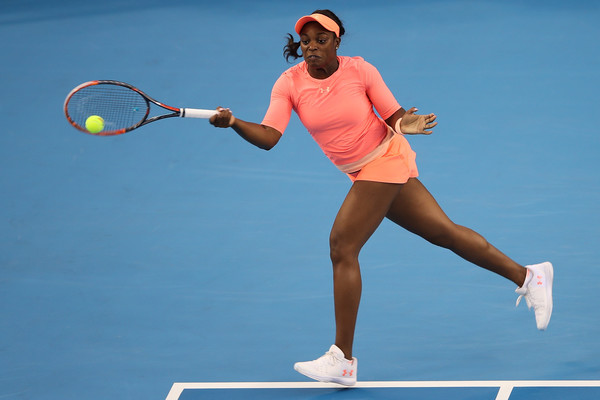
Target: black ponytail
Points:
(290, 50)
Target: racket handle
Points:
(196, 113)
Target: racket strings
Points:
(120, 107)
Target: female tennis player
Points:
(336, 98)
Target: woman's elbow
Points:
(273, 140)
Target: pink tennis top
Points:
(337, 111)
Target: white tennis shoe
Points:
(331, 367)
(537, 291)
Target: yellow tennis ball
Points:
(94, 124)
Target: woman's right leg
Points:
(365, 206)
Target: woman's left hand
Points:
(414, 124)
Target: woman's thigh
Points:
(365, 206)
(416, 210)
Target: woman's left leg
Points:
(416, 210)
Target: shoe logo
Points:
(349, 373)
(539, 282)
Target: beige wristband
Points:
(397, 126)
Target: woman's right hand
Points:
(223, 119)
(259, 135)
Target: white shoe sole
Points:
(549, 272)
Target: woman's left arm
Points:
(411, 123)
(383, 100)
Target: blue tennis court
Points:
(179, 262)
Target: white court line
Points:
(504, 392)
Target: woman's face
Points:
(318, 45)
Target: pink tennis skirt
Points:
(396, 165)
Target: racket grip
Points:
(196, 113)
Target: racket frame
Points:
(175, 112)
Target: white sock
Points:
(527, 278)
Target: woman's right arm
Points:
(261, 136)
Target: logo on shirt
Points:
(326, 90)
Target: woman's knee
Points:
(454, 237)
(444, 235)
(341, 248)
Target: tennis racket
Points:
(121, 106)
